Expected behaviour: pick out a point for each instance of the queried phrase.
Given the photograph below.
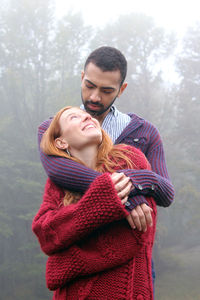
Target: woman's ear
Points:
(60, 143)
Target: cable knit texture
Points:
(94, 254)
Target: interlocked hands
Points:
(140, 217)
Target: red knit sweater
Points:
(94, 254)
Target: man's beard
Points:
(95, 113)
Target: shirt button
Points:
(140, 187)
(127, 203)
(153, 187)
(136, 140)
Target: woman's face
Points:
(79, 129)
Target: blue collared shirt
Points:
(115, 122)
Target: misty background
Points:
(41, 58)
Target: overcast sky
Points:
(174, 15)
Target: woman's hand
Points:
(140, 217)
(123, 185)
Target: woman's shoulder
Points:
(129, 150)
(53, 190)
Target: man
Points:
(102, 82)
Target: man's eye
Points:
(89, 86)
(107, 91)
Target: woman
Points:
(93, 252)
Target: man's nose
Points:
(95, 96)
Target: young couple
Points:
(98, 216)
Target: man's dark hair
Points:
(108, 59)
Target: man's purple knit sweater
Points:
(139, 133)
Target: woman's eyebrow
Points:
(67, 116)
(75, 113)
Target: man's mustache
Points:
(93, 103)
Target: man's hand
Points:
(140, 217)
(123, 185)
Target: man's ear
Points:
(82, 75)
(122, 88)
(60, 143)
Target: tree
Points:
(25, 34)
(69, 44)
(188, 124)
(39, 59)
(188, 65)
(25, 60)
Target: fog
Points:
(41, 58)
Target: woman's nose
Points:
(86, 116)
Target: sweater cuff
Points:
(132, 202)
(144, 181)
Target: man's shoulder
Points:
(139, 132)
(138, 121)
(44, 125)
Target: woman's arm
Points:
(65, 172)
(107, 247)
(57, 227)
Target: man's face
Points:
(99, 90)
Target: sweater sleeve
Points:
(65, 172)
(146, 181)
(153, 182)
(106, 248)
(58, 226)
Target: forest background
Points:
(41, 58)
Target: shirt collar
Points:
(113, 110)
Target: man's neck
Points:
(102, 117)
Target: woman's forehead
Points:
(72, 110)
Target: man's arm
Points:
(74, 176)
(155, 182)
(65, 172)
